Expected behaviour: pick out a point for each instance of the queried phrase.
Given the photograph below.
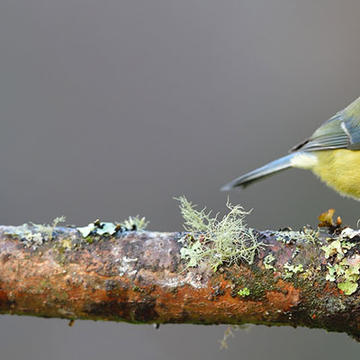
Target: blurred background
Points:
(110, 108)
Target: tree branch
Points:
(140, 277)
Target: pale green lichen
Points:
(66, 244)
(344, 271)
(244, 292)
(48, 229)
(132, 223)
(331, 274)
(307, 235)
(290, 270)
(51, 228)
(216, 241)
(34, 235)
(86, 230)
(311, 235)
(106, 228)
(269, 261)
(348, 287)
(333, 248)
(346, 274)
(99, 228)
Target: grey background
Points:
(110, 108)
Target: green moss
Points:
(244, 292)
(137, 289)
(89, 239)
(254, 280)
(61, 295)
(216, 241)
(44, 284)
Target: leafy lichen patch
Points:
(269, 262)
(342, 268)
(213, 241)
(307, 235)
(132, 223)
(34, 235)
(99, 228)
(290, 270)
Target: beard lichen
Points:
(213, 241)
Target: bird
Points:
(332, 153)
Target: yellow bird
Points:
(331, 152)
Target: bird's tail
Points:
(260, 173)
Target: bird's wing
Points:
(342, 131)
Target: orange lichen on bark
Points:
(285, 298)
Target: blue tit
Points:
(332, 153)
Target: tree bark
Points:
(139, 277)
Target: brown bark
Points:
(139, 277)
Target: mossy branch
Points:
(306, 278)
